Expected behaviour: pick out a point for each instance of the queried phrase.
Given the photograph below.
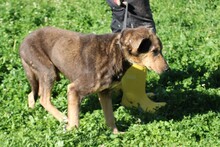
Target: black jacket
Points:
(139, 14)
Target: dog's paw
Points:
(116, 132)
(65, 120)
(31, 100)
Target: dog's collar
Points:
(143, 68)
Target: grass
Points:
(189, 31)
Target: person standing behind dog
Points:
(133, 82)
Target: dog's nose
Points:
(167, 69)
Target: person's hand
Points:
(118, 2)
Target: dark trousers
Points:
(139, 14)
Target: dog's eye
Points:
(155, 52)
(144, 46)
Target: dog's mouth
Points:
(158, 70)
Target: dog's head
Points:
(142, 46)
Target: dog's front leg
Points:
(73, 107)
(106, 103)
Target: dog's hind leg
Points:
(32, 97)
(47, 78)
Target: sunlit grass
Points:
(189, 31)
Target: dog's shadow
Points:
(191, 93)
(182, 100)
(194, 92)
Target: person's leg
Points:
(134, 80)
(133, 87)
(117, 16)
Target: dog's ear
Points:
(144, 46)
(137, 40)
(135, 43)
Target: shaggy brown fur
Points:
(92, 63)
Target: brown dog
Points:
(92, 63)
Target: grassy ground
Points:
(189, 31)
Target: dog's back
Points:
(89, 60)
